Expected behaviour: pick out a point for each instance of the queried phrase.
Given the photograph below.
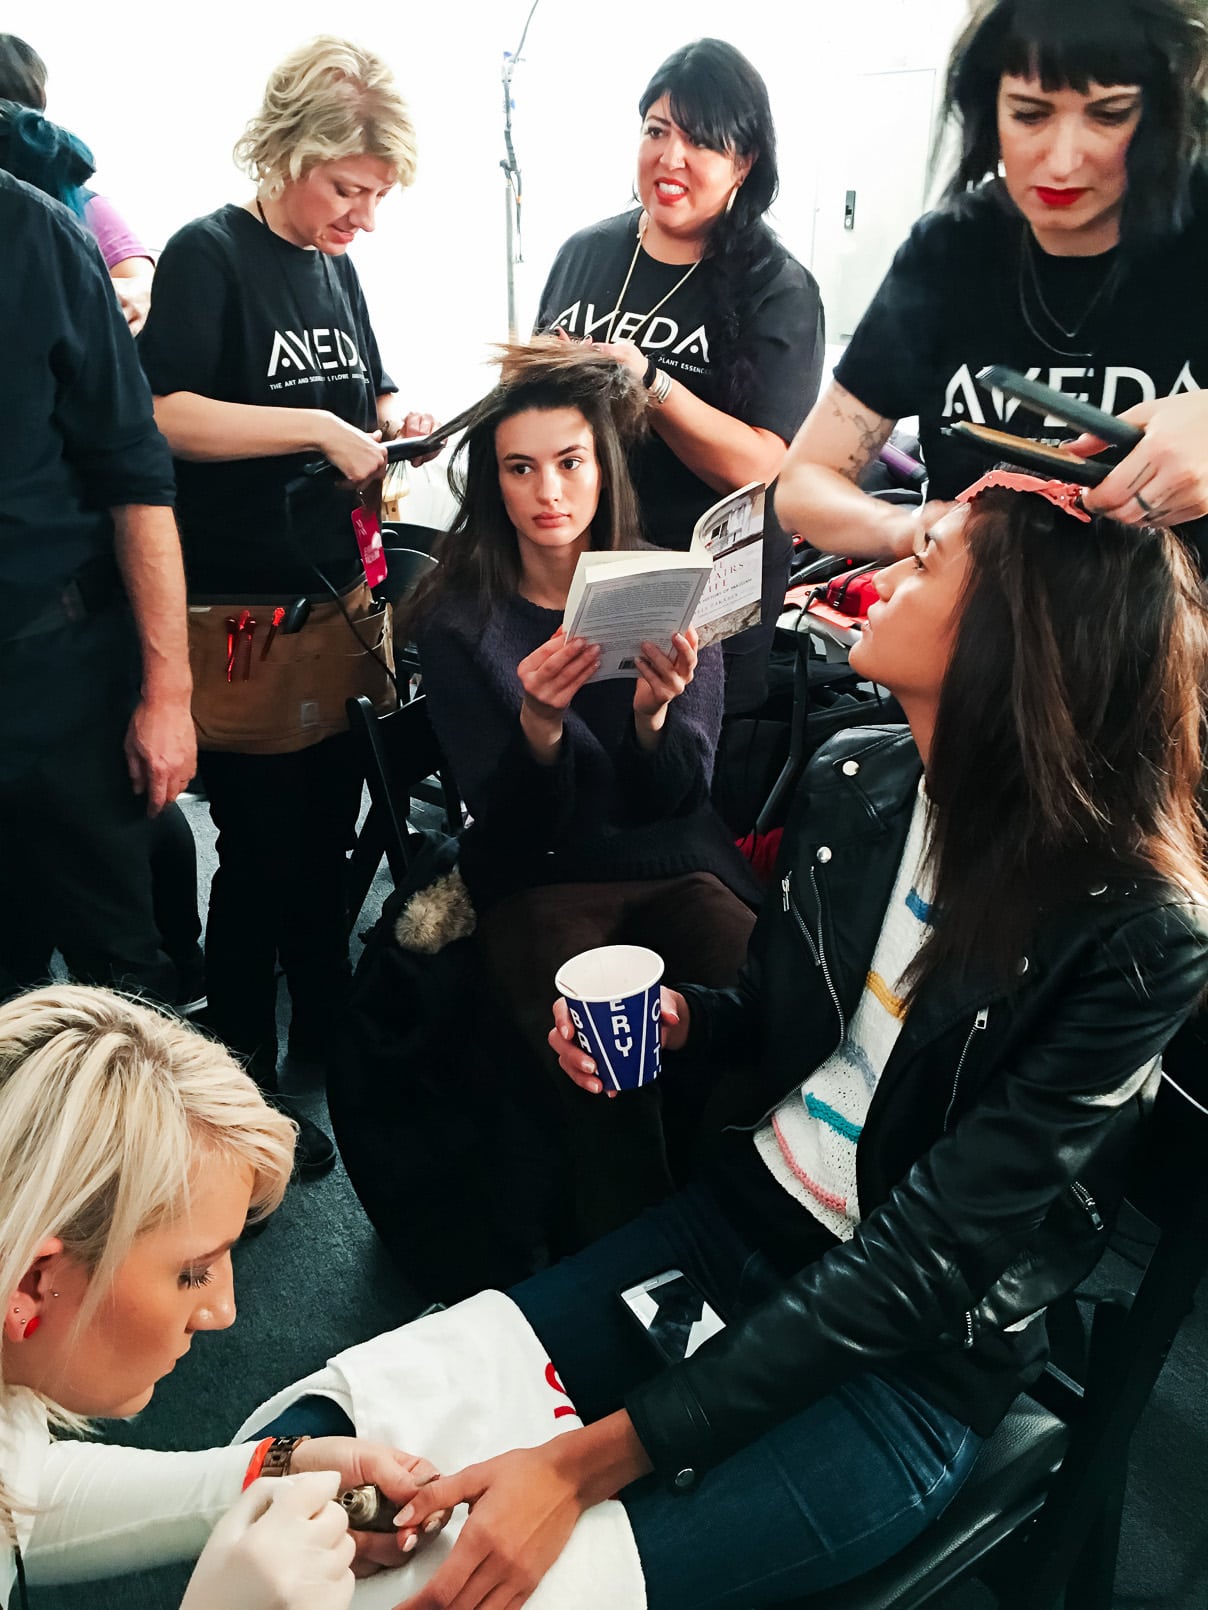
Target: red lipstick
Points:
(1059, 198)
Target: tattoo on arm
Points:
(872, 435)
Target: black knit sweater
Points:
(606, 810)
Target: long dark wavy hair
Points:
(479, 556)
(1162, 45)
(1068, 746)
(721, 102)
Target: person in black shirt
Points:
(1083, 264)
(261, 356)
(694, 293)
(85, 527)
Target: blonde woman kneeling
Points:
(132, 1153)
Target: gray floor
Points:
(317, 1280)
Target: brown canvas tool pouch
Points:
(260, 691)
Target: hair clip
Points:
(1064, 494)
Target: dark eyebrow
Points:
(928, 537)
(527, 458)
(1102, 100)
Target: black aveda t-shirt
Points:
(242, 316)
(675, 320)
(970, 288)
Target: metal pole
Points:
(509, 206)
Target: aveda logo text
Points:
(313, 351)
(661, 333)
(1113, 389)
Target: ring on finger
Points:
(1147, 509)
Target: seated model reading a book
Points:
(589, 792)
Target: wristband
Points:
(652, 369)
(660, 386)
(271, 1458)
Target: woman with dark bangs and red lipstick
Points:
(1071, 244)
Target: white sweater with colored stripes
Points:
(809, 1142)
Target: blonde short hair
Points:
(327, 100)
(107, 1109)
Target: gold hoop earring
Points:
(730, 200)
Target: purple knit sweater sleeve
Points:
(607, 808)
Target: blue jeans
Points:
(826, 1495)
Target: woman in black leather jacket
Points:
(974, 975)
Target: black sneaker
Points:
(315, 1151)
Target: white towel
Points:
(458, 1387)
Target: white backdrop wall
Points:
(162, 94)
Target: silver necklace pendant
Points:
(1028, 272)
(663, 300)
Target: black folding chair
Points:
(1038, 1520)
(400, 753)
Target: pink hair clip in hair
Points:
(1064, 494)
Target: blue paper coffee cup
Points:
(612, 993)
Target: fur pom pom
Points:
(434, 917)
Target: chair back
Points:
(399, 534)
(399, 751)
(405, 569)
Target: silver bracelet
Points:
(660, 386)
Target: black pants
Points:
(285, 824)
(27, 952)
(74, 837)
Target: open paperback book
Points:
(622, 600)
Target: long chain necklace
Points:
(646, 317)
(1028, 272)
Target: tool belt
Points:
(260, 691)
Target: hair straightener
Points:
(1034, 455)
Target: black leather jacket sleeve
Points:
(925, 1257)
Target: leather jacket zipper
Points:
(817, 950)
(791, 907)
(979, 1023)
(822, 962)
(1088, 1203)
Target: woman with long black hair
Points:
(693, 292)
(1071, 243)
(984, 929)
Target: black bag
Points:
(440, 1116)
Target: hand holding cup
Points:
(581, 1066)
